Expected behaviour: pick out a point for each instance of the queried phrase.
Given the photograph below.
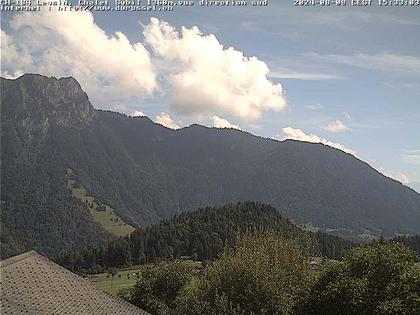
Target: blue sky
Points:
(350, 76)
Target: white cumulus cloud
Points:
(138, 113)
(336, 126)
(206, 77)
(398, 176)
(109, 67)
(12, 54)
(298, 134)
(219, 122)
(201, 76)
(166, 120)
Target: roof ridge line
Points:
(18, 258)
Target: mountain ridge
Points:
(147, 172)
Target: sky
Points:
(345, 76)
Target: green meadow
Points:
(102, 214)
(124, 279)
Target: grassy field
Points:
(106, 216)
(120, 281)
(363, 235)
(126, 278)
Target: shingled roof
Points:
(32, 284)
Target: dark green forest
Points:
(199, 235)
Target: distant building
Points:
(32, 284)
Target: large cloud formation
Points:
(205, 77)
(71, 43)
(298, 134)
(202, 77)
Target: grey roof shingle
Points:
(32, 284)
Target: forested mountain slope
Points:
(201, 234)
(147, 172)
(37, 209)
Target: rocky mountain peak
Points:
(41, 101)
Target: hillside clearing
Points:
(102, 214)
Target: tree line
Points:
(264, 273)
(200, 235)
